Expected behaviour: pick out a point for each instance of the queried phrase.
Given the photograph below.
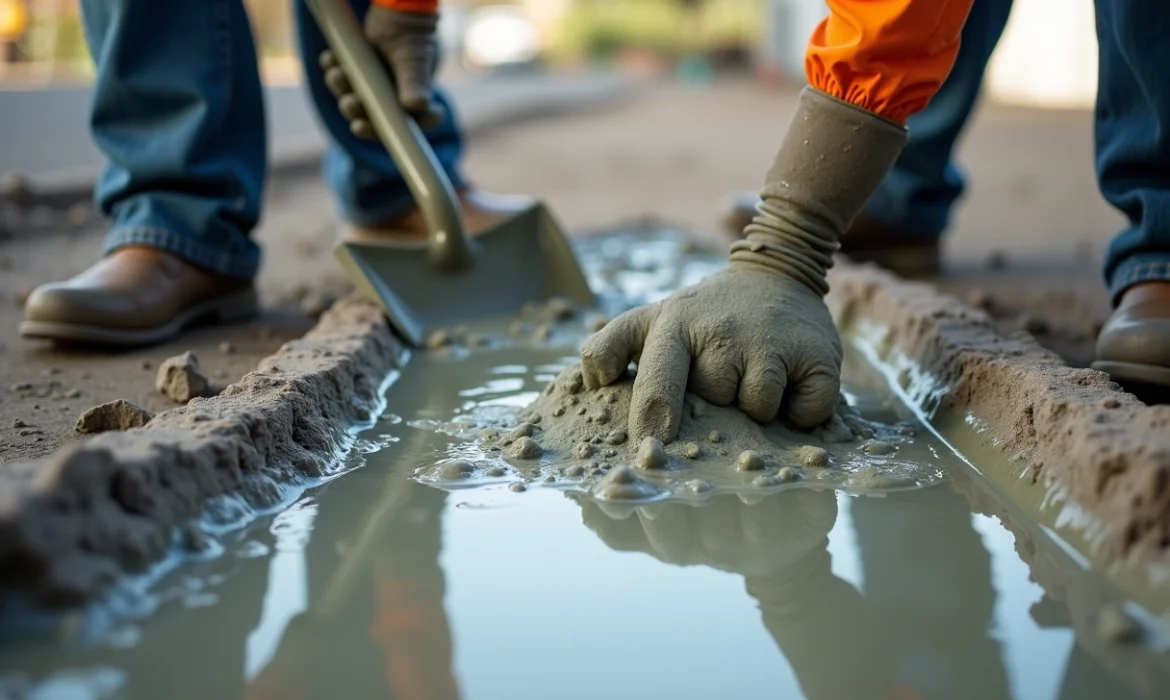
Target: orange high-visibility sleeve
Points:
(886, 56)
(422, 7)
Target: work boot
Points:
(477, 208)
(864, 241)
(134, 296)
(1134, 344)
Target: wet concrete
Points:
(387, 581)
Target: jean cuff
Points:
(185, 247)
(1138, 269)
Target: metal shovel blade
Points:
(521, 259)
(453, 277)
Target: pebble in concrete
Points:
(180, 379)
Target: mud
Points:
(115, 415)
(70, 525)
(1069, 430)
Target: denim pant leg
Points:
(179, 113)
(918, 194)
(1132, 135)
(365, 181)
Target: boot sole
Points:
(1150, 383)
(226, 309)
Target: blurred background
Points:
(1047, 56)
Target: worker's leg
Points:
(177, 110)
(366, 182)
(1132, 135)
(917, 196)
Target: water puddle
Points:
(513, 580)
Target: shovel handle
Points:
(450, 248)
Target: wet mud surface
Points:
(435, 558)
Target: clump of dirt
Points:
(576, 437)
(115, 415)
(180, 379)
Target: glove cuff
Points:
(833, 157)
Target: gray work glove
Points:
(407, 42)
(758, 333)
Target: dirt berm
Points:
(1071, 431)
(71, 524)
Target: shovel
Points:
(452, 278)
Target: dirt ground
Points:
(1028, 236)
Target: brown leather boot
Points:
(865, 241)
(134, 296)
(478, 209)
(1134, 344)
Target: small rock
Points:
(73, 394)
(50, 371)
(22, 386)
(115, 415)
(609, 453)
(698, 407)
(907, 431)
(749, 461)
(583, 450)
(575, 471)
(1110, 403)
(787, 474)
(1116, 626)
(227, 348)
(456, 469)
(650, 455)
(574, 384)
(525, 448)
(550, 479)
(714, 436)
(692, 451)
(497, 471)
(878, 448)
(698, 486)
(535, 419)
(517, 486)
(616, 437)
(623, 484)
(543, 332)
(558, 411)
(180, 379)
(582, 411)
(812, 456)
(522, 430)
(603, 416)
(18, 423)
(765, 481)
(146, 364)
(439, 338)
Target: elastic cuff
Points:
(185, 247)
(1135, 270)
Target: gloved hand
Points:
(407, 42)
(758, 333)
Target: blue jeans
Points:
(1132, 137)
(178, 111)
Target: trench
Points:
(388, 581)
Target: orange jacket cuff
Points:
(886, 56)
(421, 7)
